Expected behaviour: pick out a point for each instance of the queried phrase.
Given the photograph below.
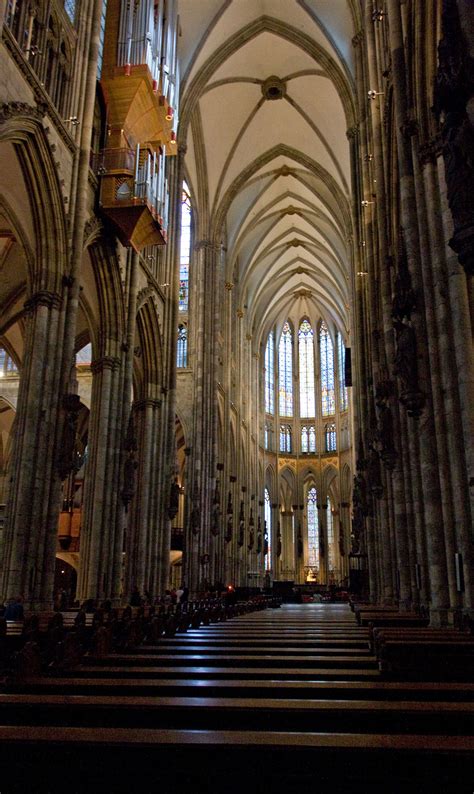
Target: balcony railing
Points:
(139, 178)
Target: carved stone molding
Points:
(105, 362)
(147, 402)
(43, 298)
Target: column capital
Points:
(148, 402)
(105, 362)
(207, 245)
(43, 298)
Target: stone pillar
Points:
(142, 520)
(31, 520)
(409, 218)
(102, 483)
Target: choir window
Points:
(185, 249)
(306, 369)
(330, 438)
(343, 399)
(308, 439)
(182, 347)
(285, 372)
(328, 397)
(270, 375)
(285, 438)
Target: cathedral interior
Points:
(236, 318)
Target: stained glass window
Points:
(84, 356)
(7, 365)
(330, 438)
(330, 530)
(313, 529)
(343, 400)
(268, 436)
(185, 249)
(70, 9)
(285, 372)
(182, 347)
(268, 528)
(308, 439)
(306, 367)
(328, 397)
(270, 375)
(285, 438)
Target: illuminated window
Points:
(328, 397)
(270, 375)
(7, 365)
(182, 347)
(285, 372)
(330, 438)
(268, 530)
(185, 249)
(343, 399)
(313, 528)
(84, 356)
(306, 367)
(70, 9)
(268, 436)
(285, 438)
(308, 439)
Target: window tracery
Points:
(306, 369)
(185, 249)
(269, 375)
(285, 438)
(313, 529)
(328, 397)
(182, 347)
(285, 371)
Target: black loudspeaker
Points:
(348, 367)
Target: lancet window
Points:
(306, 369)
(313, 530)
(270, 375)
(328, 397)
(285, 372)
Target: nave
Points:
(288, 697)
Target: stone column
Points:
(409, 217)
(102, 483)
(30, 534)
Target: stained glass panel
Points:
(270, 375)
(306, 369)
(182, 347)
(328, 396)
(343, 399)
(285, 372)
(185, 249)
(330, 435)
(330, 528)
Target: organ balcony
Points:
(134, 194)
(140, 76)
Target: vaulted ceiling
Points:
(267, 98)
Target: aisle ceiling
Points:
(268, 159)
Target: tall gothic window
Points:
(182, 347)
(270, 375)
(328, 397)
(285, 371)
(7, 365)
(268, 528)
(306, 369)
(308, 438)
(268, 435)
(313, 528)
(341, 359)
(330, 441)
(330, 530)
(70, 8)
(285, 438)
(185, 249)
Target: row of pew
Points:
(275, 699)
(405, 645)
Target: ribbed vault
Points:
(267, 99)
